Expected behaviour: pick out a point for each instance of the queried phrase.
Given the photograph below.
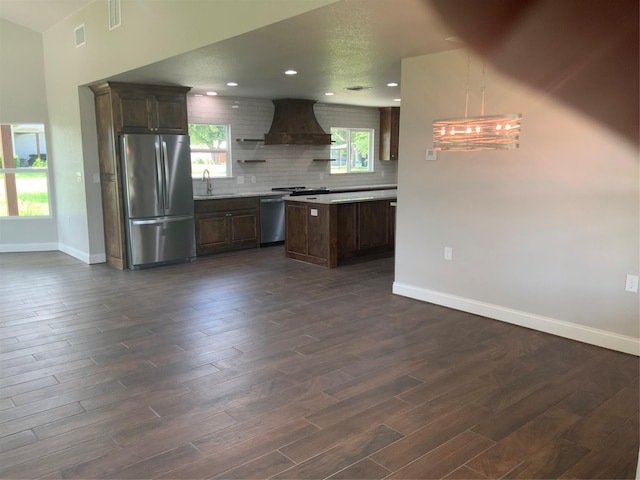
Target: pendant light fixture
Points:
(483, 132)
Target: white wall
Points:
(23, 99)
(542, 236)
(285, 165)
(142, 39)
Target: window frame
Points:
(41, 139)
(226, 151)
(371, 151)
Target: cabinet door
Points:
(389, 133)
(373, 224)
(169, 114)
(211, 232)
(318, 232)
(295, 237)
(347, 230)
(132, 112)
(243, 229)
(145, 112)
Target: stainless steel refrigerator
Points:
(158, 199)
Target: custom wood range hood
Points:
(294, 123)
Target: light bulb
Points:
(498, 127)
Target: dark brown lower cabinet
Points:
(226, 224)
(327, 234)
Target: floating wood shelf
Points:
(323, 159)
(251, 161)
(249, 140)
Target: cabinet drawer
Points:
(225, 204)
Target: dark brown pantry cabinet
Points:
(227, 224)
(129, 108)
(389, 132)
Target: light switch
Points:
(431, 154)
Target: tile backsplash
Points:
(284, 165)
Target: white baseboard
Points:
(53, 247)
(82, 256)
(573, 331)
(28, 247)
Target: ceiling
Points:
(351, 43)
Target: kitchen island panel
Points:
(328, 229)
(311, 233)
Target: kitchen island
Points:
(328, 229)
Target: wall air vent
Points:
(114, 14)
(80, 36)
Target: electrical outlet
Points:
(632, 284)
(448, 253)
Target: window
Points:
(24, 182)
(210, 150)
(352, 150)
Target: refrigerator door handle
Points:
(151, 221)
(160, 184)
(165, 164)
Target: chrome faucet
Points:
(206, 178)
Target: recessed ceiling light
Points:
(232, 84)
(328, 94)
(392, 84)
(396, 99)
(212, 93)
(290, 72)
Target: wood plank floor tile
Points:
(550, 462)
(614, 458)
(422, 441)
(343, 455)
(158, 464)
(363, 470)
(329, 437)
(446, 458)
(369, 398)
(249, 364)
(517, 447)
(465, 473)
(239, 453)
(601, 422)
(261, 467)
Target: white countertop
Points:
(347, 197)
(335, 190)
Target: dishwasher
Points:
(271, 219)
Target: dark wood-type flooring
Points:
(251, 365)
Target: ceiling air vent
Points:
(80, 36)
(114, 14)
